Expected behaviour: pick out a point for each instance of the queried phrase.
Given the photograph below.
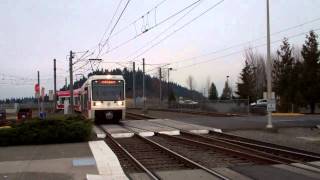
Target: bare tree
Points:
(207, 85)
(257, 62)
(190, 82)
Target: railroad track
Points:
(285, 157)
(208, 155)
(135, 116)
(284, 154)
(213, 114)
(141, 155)
(268, 147)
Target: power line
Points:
(152, 27)
(141, 17)
(244, 43)
(181, 27)
(108, 27)
(114, 26)
(237, 52)
(159, 35)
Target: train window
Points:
(102, 91)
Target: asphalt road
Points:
(243, 122)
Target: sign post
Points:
(37, 94)
(271, 106)
(42, 99)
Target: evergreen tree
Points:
(246, 86)
(226, 92)
(310, 72)
(213, 93)
(284, 83)
(171, 97)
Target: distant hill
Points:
(152, 85)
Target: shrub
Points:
(71, 129)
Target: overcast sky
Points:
(33, 33)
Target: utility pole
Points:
(229, 87)
(269, 78)
(66, 82)
(168, 85)
(39, 108)
(160, 92)
(71, 82)
(143, 85)
(134, 83)
(54, 84)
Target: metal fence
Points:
(14, 107)
(221, 106)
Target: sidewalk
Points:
(56, 161)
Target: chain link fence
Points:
(240, 106)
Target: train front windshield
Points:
(107, 90)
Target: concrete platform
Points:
(197, 129)
(298, 170)
(276, 172)
(99, 133)
(117, 131)
(186, 175)
(141, 132)
(231, 174)
(107, 162)
(150, 126)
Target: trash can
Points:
(24, 113)
(43, 115)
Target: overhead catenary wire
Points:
(164, 31)
(110, 22)
(230, 54)
(141, 17)
(114, 26)
(152, 27)
(244, 43)
(97, 46)
(240, 51)
(180, 28)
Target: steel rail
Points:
(269, 160)
(186, 159)
(138, 116)
(255, 143)
(146, 170)
(243, 147)
(278, 159)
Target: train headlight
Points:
(120, 103)
(97, 103)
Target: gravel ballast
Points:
(307, 139)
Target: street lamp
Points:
(269, 78)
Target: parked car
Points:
(2, 115)
(24, 113)
(190, 102)
(260, 103)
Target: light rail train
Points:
(101, 98)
